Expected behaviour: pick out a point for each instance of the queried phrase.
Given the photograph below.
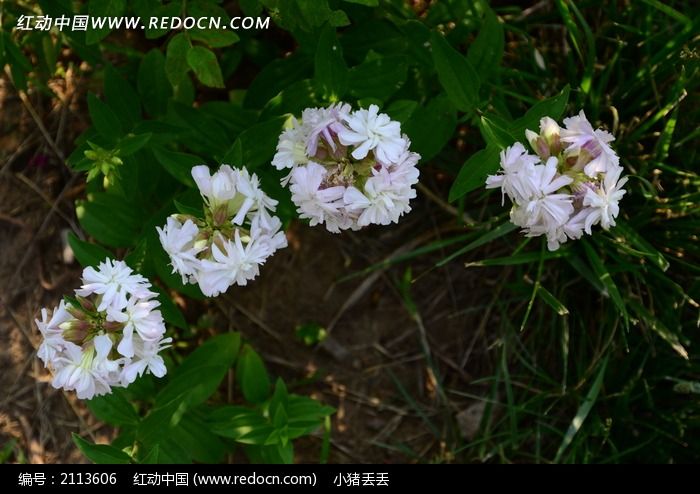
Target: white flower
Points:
(79, 337)
(404, 171)
(178, 241)
(254, 198)
(291, 148)
(547, 206)
(604, 202)
(81, 369)
(217, 188)
(139, 316)
(358, 168)
(555, 199)
(572, 229)
(549, 128)
(317, 204)
(370, 130)
(235, 263)
(113, 280)
(547, 142)
(516, 179)
(237, 212)
(383, 201)
(322, 123)
(53, 342)
(580, 135)
(268, 233)
(146, 358)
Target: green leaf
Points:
(191, 210)
(240, 424)
(292, 100)
(252, 376)
(205, 66)
(474, 171)
(122, 98)
(305, 14)
(234, 156)
(331, 73)
(274, 78)
(489, 236)
(658, 327)
(152, 457)
(258, 143)
(551, 107)
(179, 165)
(102, 454)
(18, 62)
(87, 254)
(214, 38)
(110, 219)
(486, 52)
(103, 118)
(113, 408)
(456, 74)
(171, 313)
(206, 137)
(220, 350)
(643, 247)
(176, 66)
(153, 84)
(583, 410)
(190, 384)
(401, 110)
(103, 9)
(522, 258)
(552, 301)
(199, 375)
(495, 131)
(378, 78)
(278, 406)
(231, 117)
(604, 276)
(431, 127)
(132, 143)
(200, 443)
(169, 10)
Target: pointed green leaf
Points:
(205, 66)
(101, 454)
(456, 74)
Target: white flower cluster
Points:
(106, 336)
(236, 235)
(572, 183)
(348, 169)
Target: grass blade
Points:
(583, 410)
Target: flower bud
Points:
(75, 335)
(112, 326)
(86, 303)
(74, 324)
(532, 138)
(76, 312)
(220, 215)
(549, 128)
(543, 148)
